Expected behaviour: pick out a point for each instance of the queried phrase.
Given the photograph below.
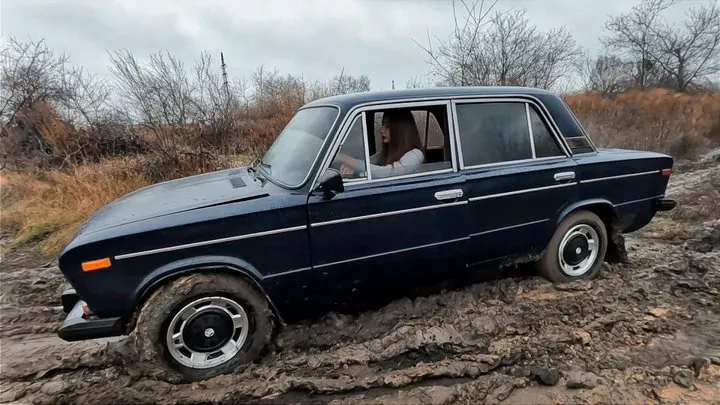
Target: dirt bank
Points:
(645, 331)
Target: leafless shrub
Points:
(607, 74)
(53, 113)
(30, 73)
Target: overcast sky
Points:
(316, 38)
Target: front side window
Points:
(291, 156)
(353, 148)
(493, 133)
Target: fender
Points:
(189, 265)
(584, 203)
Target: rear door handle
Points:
(449, 194)
(564, 176)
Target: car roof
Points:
(347, 101)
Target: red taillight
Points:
(666, 172)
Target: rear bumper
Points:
(664, 204)
(77, 327)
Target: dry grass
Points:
(680, 124)
(49, 207)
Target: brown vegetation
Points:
(49, 205)
(681, 124)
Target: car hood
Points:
(174, 196)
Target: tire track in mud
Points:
(647, 330)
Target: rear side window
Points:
(545, 143)
(493, 133)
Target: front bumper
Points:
(77, 327)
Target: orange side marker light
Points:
(666, 172)
(96, 264)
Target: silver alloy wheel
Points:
(207, 332)
(578, 250)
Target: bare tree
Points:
(417, 82)
(339, 84)
(455, 61)
(664, 54)
(186, 110)
(606, 74)
(30, 73)
(505, 49)
(691, 51)
(633, 36)
(344, 83)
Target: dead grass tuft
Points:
(48, 207)
(684, 125)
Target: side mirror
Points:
(331, 182)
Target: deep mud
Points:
(644, 331)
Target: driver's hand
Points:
(346, 171)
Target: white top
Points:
(410, 161)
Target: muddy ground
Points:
(645, 331)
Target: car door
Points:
(391, 232)
(519, 174)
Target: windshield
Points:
(291, 156)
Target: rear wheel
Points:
(203, 325)
(576, 250)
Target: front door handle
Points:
(564, 176)
(449, 194)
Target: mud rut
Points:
(645, 331)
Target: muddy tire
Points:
(577, 249)
(202, 325)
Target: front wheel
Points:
(576, 250)
(203, 325)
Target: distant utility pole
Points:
(224, 75)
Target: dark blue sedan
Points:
(392, 189)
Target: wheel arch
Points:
(600, 207)
(171, 271)
(606, 211)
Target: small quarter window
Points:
(545, 143)
(493, 133)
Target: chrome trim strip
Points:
(526, 99)
(620, 176)
(456, 132)
(451, 136)
(509, 227)
(527, 190)
(436, 100)
(515, 162)
(461, 97)
(366, 142)
(640, 200)
(376, 105)
(284, 273)
(388, 213)
(391, 252)
(209, 242)
(404, 176)
(530, 130)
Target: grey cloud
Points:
(317, 45)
